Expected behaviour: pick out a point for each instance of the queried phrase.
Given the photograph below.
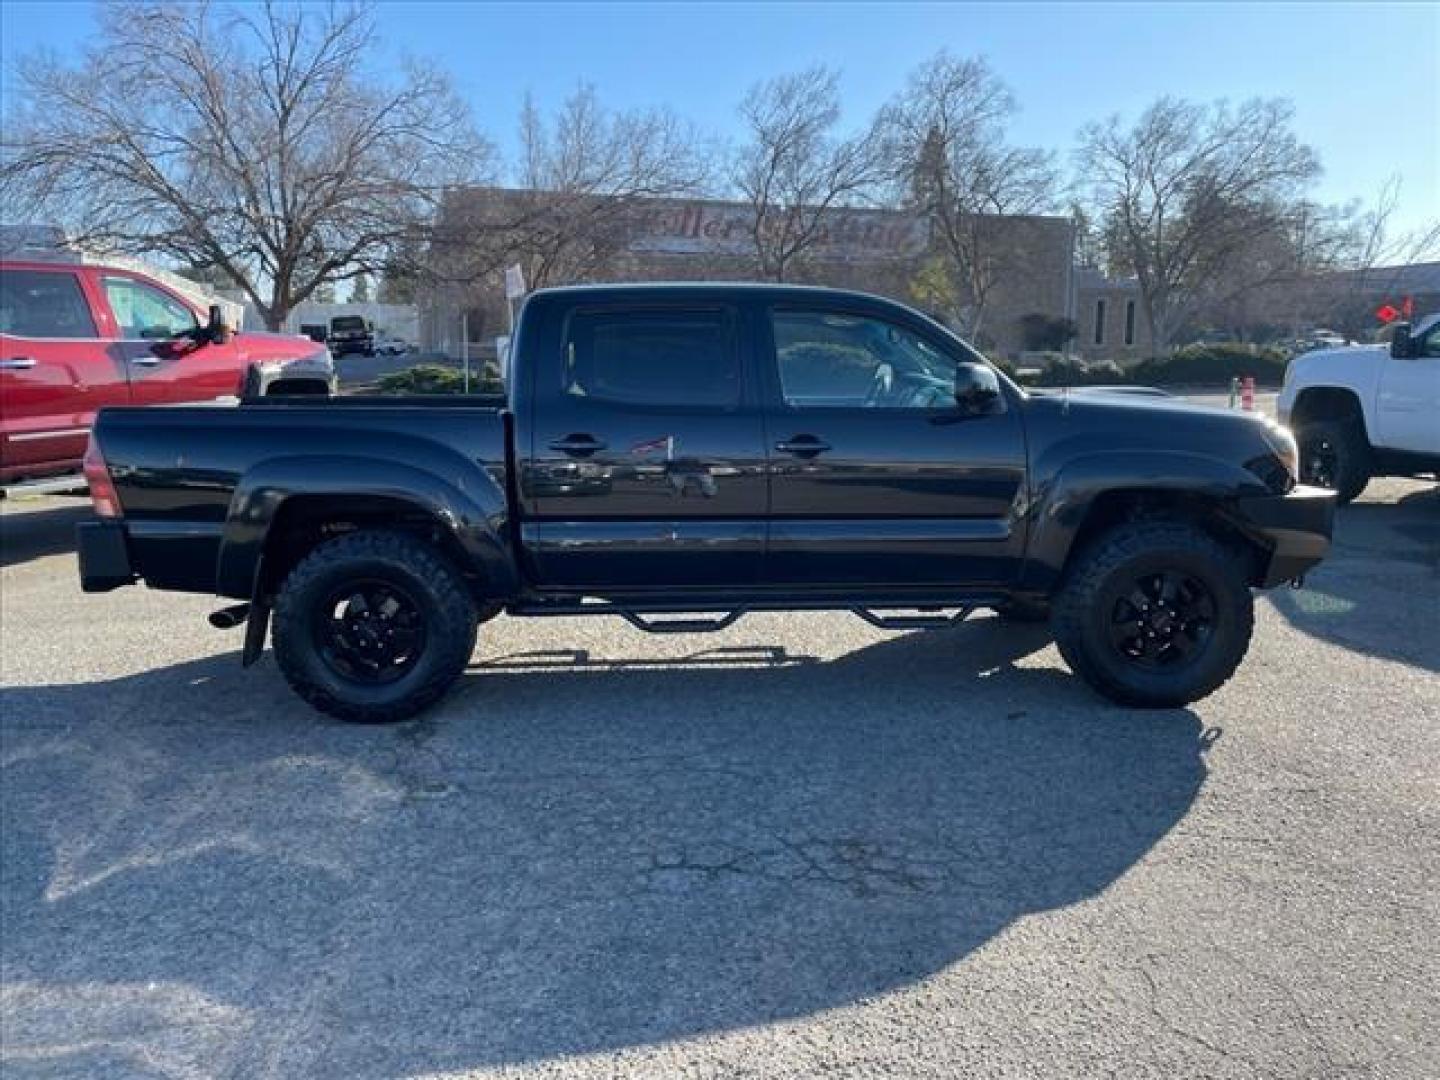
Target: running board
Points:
(679, 626)
(708, 621)
(913, 622)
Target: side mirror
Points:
(215, 330)
(1401, 344)
(977, 389)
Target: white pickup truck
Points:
(1367, 410)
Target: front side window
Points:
(146, 312)
(835, 360)
(43, 304)
(1430, 344)
(654, 358)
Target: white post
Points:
(465, 346)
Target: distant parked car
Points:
(75, 337)
(393, 346)
(351, 334)
(1367, 410)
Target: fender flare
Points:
(1060, 503)
(473, 511)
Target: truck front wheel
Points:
(1335, 454)
(1154, 613)
(373, 626)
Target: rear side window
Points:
(655, 358)
(43, 304)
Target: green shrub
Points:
(1212, 364)
(440, 379)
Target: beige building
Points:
(1109, 319)
(1027, 267)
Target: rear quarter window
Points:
(684, 359)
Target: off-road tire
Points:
(1351, 450)
(1082, 610)
(426, 574)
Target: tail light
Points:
(97, 475)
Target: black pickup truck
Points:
(678, 455)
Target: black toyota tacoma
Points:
(678, 455)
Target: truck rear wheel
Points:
(1155, 614)
(1335, 454)
(373, 626)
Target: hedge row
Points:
(439, 379)
(1194, 365)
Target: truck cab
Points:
(1367, 410)
(77, 337)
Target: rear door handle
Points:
(19, 363)
(578, 445)
(803, 446)
(145, 361)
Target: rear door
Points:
(646, 459)
(877, 478)
(55, 369)
(164, 366)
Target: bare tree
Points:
(580, 178)
(1370, 260)
(944, 136)
(256, 140)
(1188, 195)
(793, 170)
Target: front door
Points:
(646, 469)
(877, 478)
(166, 367)
(55, 371)
(1408, 406)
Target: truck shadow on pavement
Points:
(33, 534)
(572, 855)
(1378, 592)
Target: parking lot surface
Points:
(802, 846)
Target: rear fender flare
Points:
(1061, 503)
(474, 513)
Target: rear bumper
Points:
(1296, 527)
(104, 556)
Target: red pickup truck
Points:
(75, 337)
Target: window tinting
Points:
(145, 312)
(836, 360)
(43, 304)
(653, 358)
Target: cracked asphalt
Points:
(799, 847)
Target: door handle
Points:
(144, 361)
(802, 446)
(19, 363)
(578, 445)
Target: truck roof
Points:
(617, 289)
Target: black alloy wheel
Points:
(369, 631)
(1163, 620)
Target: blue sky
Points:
(1365, 78)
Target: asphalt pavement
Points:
(799, 847)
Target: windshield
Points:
(347, 322)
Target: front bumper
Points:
(104, 556)
(1296, 527)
